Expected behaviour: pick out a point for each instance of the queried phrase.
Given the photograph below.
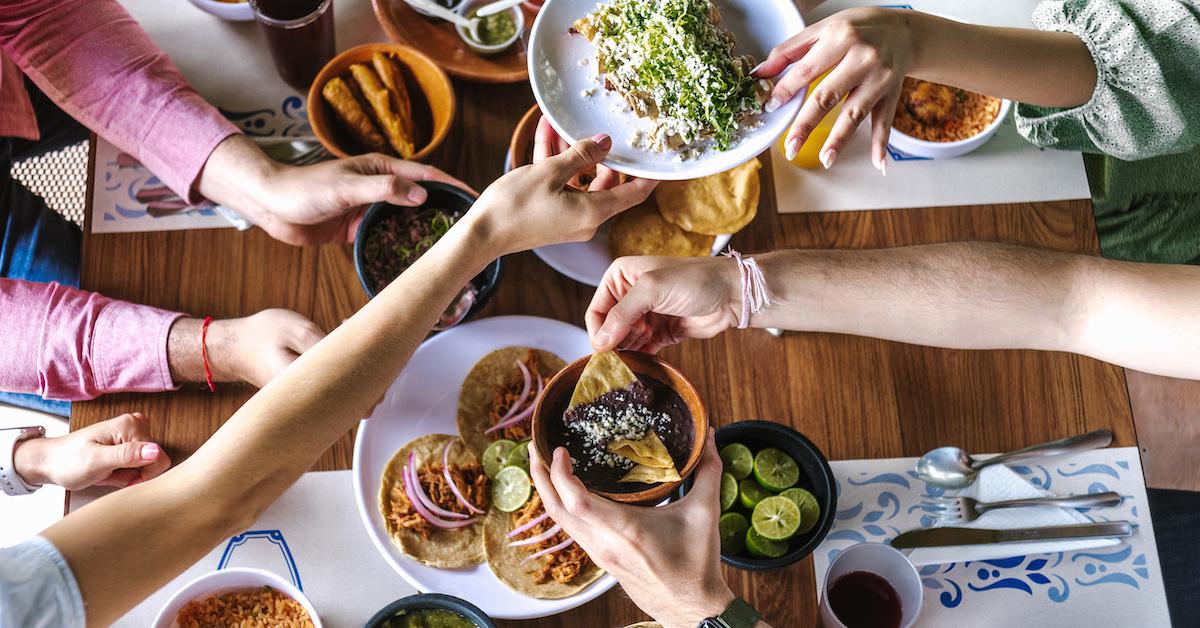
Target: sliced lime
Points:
(733, 526)
(750, 493)
(761, 547)
(519, 456)
(494, 455)
(737, 459)
(511, 489)
(729, 491)
(776, 518)
(775, 470)
(810, 510)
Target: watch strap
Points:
(10, 481)
(739, 614)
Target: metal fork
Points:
(965, 509)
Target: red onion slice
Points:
(524, 415)
(550, 550)
(422, 497)
(534, 540)
(424, 512)
(536, 520)
(450, 480)
(524, 392)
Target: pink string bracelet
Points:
(754, 287)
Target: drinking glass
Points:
(883, 561)
(300, 35)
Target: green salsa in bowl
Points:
(430, 610)
(497, 32)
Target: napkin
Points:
(999, 483)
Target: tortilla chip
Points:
(650, 475)
(475, 396)
(643, 231)
(604, 373)
(648, 451)
(445, 549)
(714, 205)
(505, 562)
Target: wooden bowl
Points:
(440, 40)
(520, 148)
(548, 422)
(429, 89)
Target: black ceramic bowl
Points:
(431, 601)
(441, 196)
(815, 476)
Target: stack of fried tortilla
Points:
(682, 218)
(373, 106)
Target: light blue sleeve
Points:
(37, 588)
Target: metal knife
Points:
(949, 536)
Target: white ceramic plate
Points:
(559, 80)
(424, 400)
(586, 262)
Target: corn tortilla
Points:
(505, 562)
(475, 398)
(714, 205)
(643, 231)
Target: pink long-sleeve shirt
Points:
(93, 60)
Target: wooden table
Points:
(854, 397)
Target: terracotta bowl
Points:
(429, 89)
(520, 148)
(548, 428)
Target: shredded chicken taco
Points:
(529, 552)
(499, 393)
(433, 501)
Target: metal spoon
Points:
(952, 468)
(458, 309)
(441, 12)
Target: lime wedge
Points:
(750, 493)
(494, 455)
(776, 518)
(519, 456)
(775, 470)
(733, 528)
(810, 510)
(511, 489)
(737, 459)
(760, 547)
(729, 491)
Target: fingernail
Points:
(150, 451)
(827, 157)
(792, 148)
(758, 67)
(772, 104)
(603, 140)
(883, 166)
(603, 339)
(417, 194)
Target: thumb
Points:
(629, 311)
(130, 455)
(583, 155)
(397, 190)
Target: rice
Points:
(256, 608)
(939, 113)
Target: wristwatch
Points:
(738, 614)
(10, 482)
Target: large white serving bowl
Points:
(559, 83)
(227, 581)
(424, 400)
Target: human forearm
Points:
(1036, 67)
(336, 383)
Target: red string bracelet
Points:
(204, 353)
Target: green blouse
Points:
(1146, 107)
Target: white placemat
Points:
(1007, 169)
(230, 65)
(311, 536)
(1118, 586)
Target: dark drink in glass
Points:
(861, 599)
(300, 36)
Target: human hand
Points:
(547, 143)
(535, 205)
(647, 303)
(314, 204)
(667, 559)
(870, 51)
(256, 348)
(116, 452)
